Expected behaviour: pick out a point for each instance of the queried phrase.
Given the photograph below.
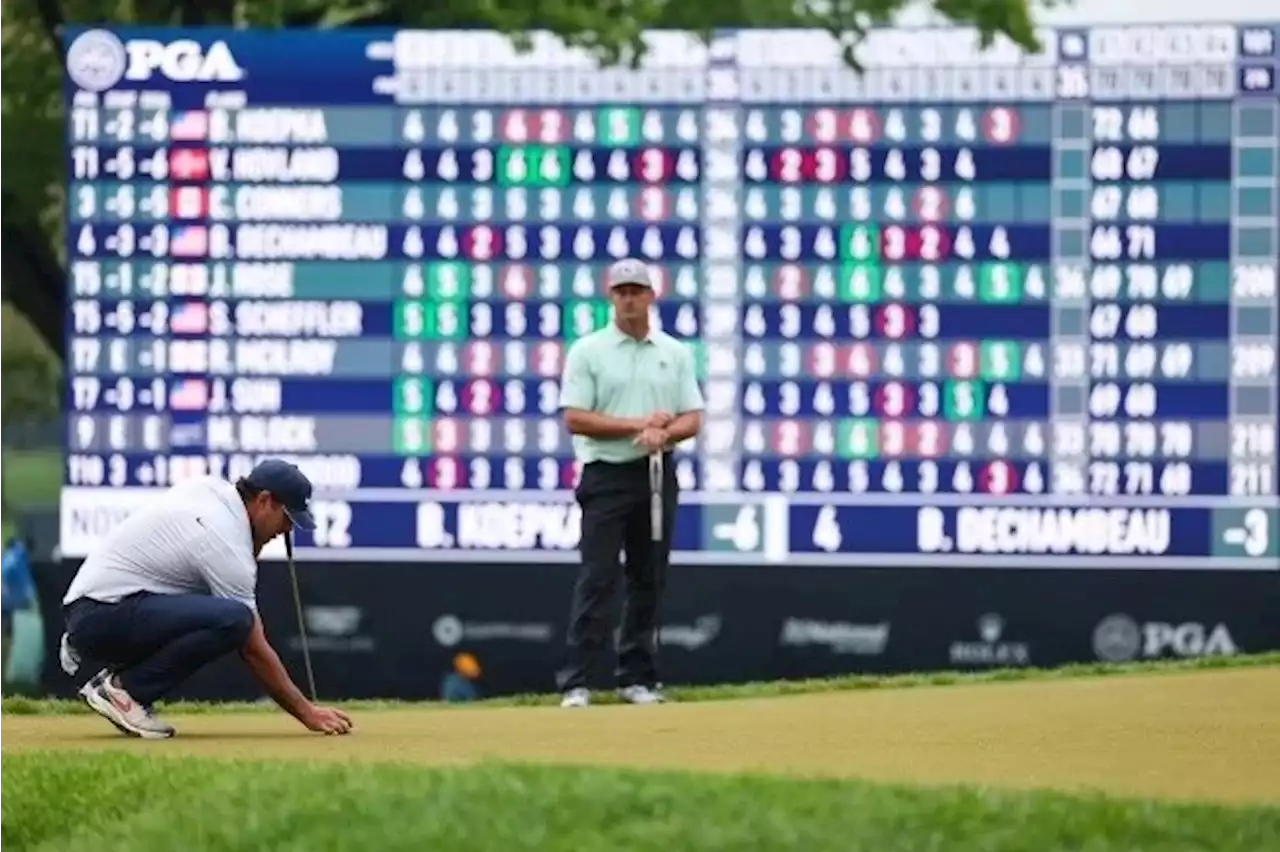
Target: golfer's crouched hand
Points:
(328, 720)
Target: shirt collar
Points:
(621, 336)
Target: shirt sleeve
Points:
(577, 385)
(230, 571)
(690, 393)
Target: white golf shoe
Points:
(578, 697)
(113, 703)
(639, 694)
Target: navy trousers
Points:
(155, 642)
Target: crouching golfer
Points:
(174, 588)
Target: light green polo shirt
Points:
(610, 372)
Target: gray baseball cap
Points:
(628, 271)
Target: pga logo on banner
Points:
(1119, 638)
(98, 60)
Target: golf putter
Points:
(302, 626)
(655, 496)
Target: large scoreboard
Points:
(970, 307)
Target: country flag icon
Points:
(188, 164)
(188, 202)
(190, 241)
(189, 126)
(189, 395)
(189, 318)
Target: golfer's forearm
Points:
(592, 425)
(264, 663)
(685, 426)
(274, 678)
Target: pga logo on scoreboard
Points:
(98, 60)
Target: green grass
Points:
(53, 707)
(29, 478)
(32, 477)
(71, 801)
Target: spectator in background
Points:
(460, 684)
(18, 592)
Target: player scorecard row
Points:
(970, 307)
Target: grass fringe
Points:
(19, 706)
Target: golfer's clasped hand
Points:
(328, 720)
(653, 436)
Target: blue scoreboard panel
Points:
(968, 308)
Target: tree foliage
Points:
(610, 29)
(29, 374)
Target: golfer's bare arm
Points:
(592, 425)
(578, 397)
(264, 663)
(231, 572)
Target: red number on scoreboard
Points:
(828, 165)
(894, 399)
(653, 204)
(930, 243)
(824, 125)
(895, 321)
(516, 281)
(788, 166)
(480, 397)
(998, 477)
(482, 243)
(445, 473)
(446, 435)
(860, 360)
(479, 358)
(1000, 126)
(930, 205)
(552, 126)
(893, 439)
(547, 357)
(930, 442)
(570, 473)
(515, 126)
(790, 438)
(660, 277)
(822, 360)
(893, 243)
(652, 165)
(790, 282)
(962, 360)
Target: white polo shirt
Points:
(194, 539)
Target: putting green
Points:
(1211, 735)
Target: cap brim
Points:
(301, 518)
(645, 284)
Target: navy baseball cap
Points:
(289, 486)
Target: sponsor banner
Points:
(402, 631)
(990, 647)
(1120, 637)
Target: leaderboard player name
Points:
(1109, 531)
(272, 357)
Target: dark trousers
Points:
(155, 642)
(616, 518)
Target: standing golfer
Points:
(629, 394)
(173, 588)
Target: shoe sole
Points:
(107, 710)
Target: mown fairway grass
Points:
(777, 772)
